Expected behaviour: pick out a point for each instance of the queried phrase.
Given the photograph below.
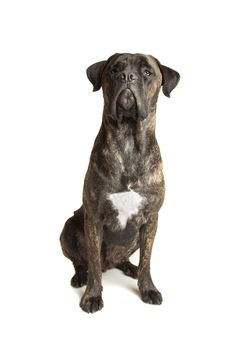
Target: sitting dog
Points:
(124, 184)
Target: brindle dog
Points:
(124, 184)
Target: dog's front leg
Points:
(148, 291)
(92, 299)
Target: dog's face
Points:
(131, 84)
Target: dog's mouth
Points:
(126, 99)
(126, 104)
(129, 103)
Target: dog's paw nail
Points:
(152, 297)
(92, 304)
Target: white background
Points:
(49, 119)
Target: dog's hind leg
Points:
(73, 247)
(128, 269)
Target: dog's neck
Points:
(129, 131)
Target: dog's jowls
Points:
(124, 184)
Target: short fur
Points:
(126, 159)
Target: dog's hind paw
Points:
(152, 296)
(128, 269)
(92, 304)
(80, 278)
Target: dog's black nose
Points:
(131, 76)
(128, 76)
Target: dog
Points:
(124, 185)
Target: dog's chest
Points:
(127, 204)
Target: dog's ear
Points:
(170, 79)
(94, 74)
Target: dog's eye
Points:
(114, 70)
(147, 72)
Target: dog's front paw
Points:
(152, 296)
(92, 304)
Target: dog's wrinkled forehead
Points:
(134, 61)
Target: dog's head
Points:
(131, 84)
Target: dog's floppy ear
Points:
(170, 79)
(94, 74)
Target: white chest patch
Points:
(127, 204)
